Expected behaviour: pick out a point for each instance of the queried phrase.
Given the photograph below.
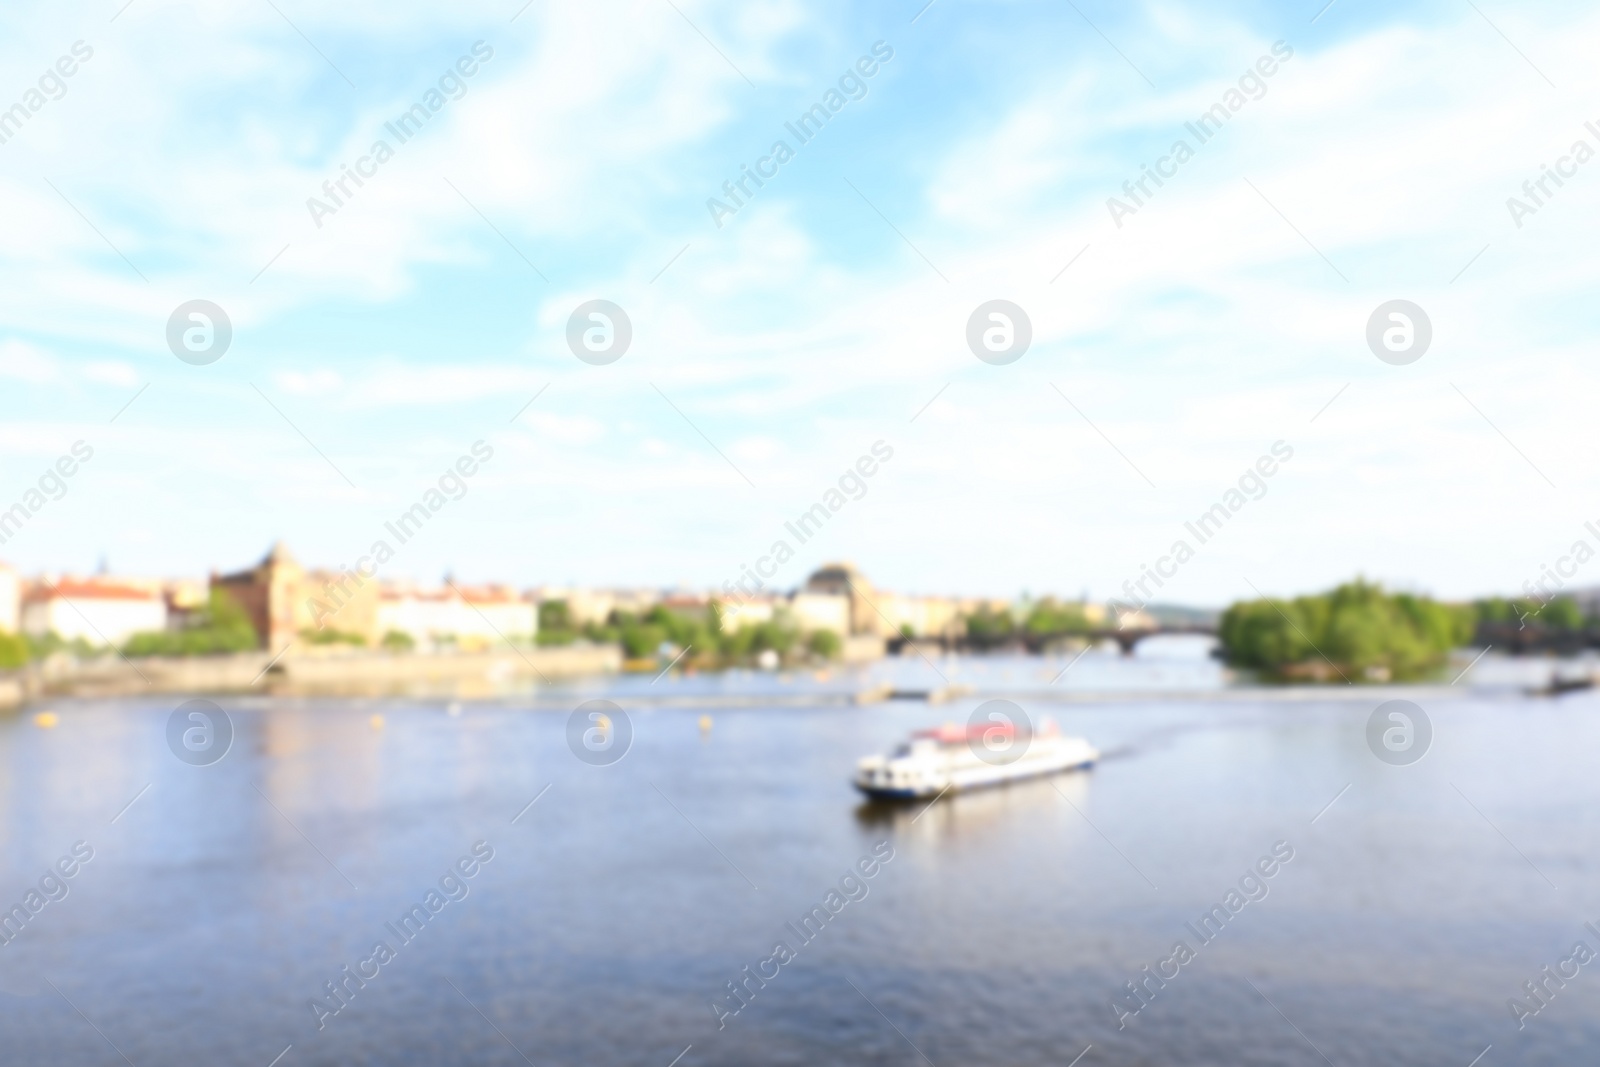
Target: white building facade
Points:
(100, 613)
(821, 611)
(10, 601)
(473, 618)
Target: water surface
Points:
(617, 907)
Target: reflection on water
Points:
(954, 814)
(223, 899)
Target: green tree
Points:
(640, 639)
(774, 636)
(1558, 613)
(330, 636)
(1357, 627)
(221, 626)
(989, 629)
(825, 643)
(554, 615)
(396, 641)
(41, 647)
(13, 651)
(1562, 613)
(1050, 619)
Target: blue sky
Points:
(1173, 352)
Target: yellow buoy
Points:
(46, 720)
(705, 724)
(376, 722)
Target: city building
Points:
(284, 601)
(820, 611)
(844, 580)
(474, 617)
(99, 611)
(691, 606)
(739, 612)
(594, 606)
(1136, 619)
(506, 615)
(186, 601)
(924, 616)
(267, 592)
(10, 601)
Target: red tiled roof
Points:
(489, 596)
(394, 596)
(469, 595)
(71, 590)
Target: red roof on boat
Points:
(952, 733)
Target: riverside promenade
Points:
(311, 671)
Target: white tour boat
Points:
(955, 758)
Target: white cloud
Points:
(321, 382)
(26, 362)
(568, 430)
(23, 361)
(1192, 337)
(111, 372)
(759, 448)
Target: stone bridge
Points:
(1126, 639)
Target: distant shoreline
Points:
(322, 671)
(508, 672)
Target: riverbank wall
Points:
(311, 672)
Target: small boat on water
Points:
(957, 758)
(1560, 684)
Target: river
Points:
(609, 905)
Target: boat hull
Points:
(970, 781)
